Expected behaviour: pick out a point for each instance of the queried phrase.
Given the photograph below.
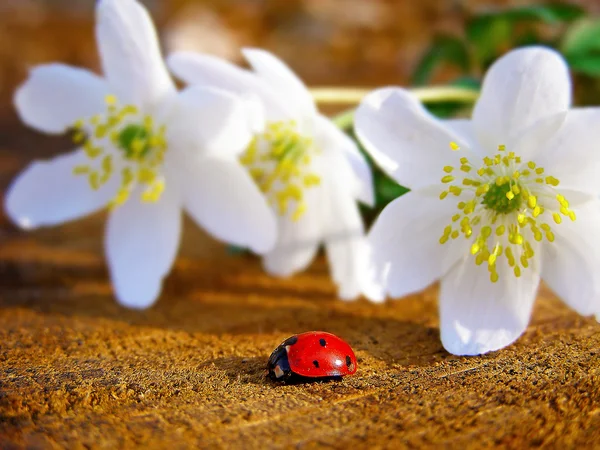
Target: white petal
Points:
(571, 264)
(572, 155)
(330, 137)
(141, 244)
(406, 253)
(209, 121)
(532, 143)
(348, 257)
(405, 140)
(345, 242)
(222, 198)
(478, 316)
(130, 53)
(47, 193)
(297, 241)
(56, 95)
(365, 190)
(464, 129)
(296, 247)
(255, 112)
(519, 89)
(283, 81)
(208, 70)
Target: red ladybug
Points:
(314, 354)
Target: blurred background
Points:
(327, 42)
(339, 42)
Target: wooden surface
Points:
(76, 370)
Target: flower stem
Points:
(345, 96)
(350, 96)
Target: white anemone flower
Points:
(496, 202)
(311, 172)
(146, 151)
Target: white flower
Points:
(312, 173)
(147, 151)
(513, 199)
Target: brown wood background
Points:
(78, 371)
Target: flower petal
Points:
(571, 264)
(405, 140)
(478, 316)
(130, 53)
(222, 198)
(345, 243)
(572, 155)
(56, 95)
(533, 141)
(347, 255)
(283, 81)
(365, 190)
(208, 70)
(406, 253)
(519, 89)
(330, 137)
(464, 129)
(299, 240)
(296, 247)
(141, 243)
(209, 121)
(47, 193)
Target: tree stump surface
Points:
(77, 370)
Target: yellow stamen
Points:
(111, 100)
(81, 170)
(141, 145)
(279, 162)
(504, 214)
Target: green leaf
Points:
(582, 37)
(492, 32)
(445, 49)
(387, 189)
(586, 64)
(581, 47)
(565, 12)
(467, 82)
(553, 13)
(529, 37)
(488, 33)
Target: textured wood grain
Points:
(76, 370)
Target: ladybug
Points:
(311, 355)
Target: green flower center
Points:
(141, 143)
(133, 140)
(496, 198)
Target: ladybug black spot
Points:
(323, 342)
(348, 361)
(290, 341)
(316, 363)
